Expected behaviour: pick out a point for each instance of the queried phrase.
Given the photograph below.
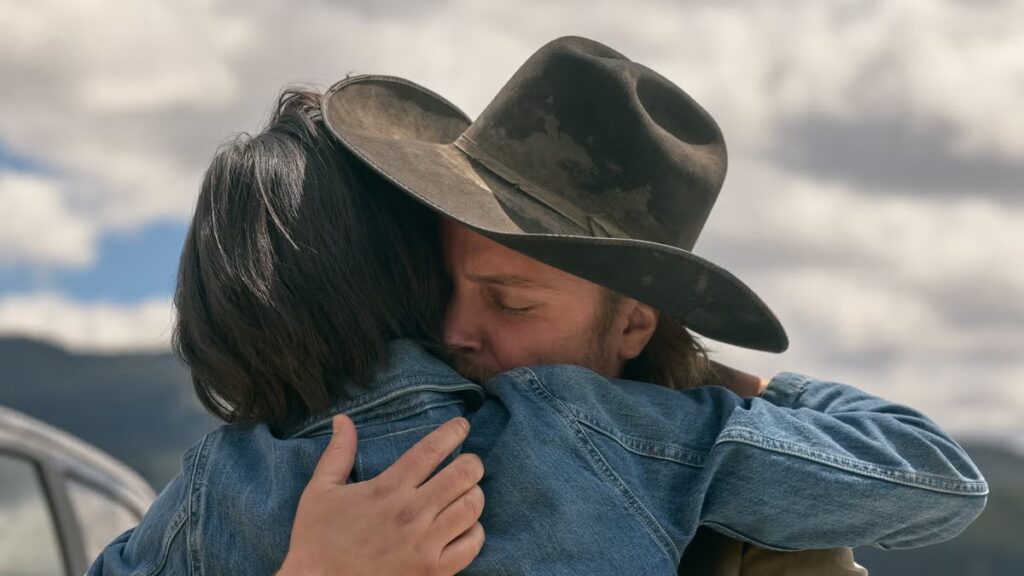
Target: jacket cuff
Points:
(785, 388)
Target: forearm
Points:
(833, 466)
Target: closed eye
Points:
(507, 307)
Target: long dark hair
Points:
(299, 266)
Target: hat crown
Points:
(612, 146)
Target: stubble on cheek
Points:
(470, 368)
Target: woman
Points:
(294, 278)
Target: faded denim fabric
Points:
(584, 475)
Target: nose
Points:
(460, 328)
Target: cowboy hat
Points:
(585, 160)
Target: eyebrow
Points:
(511, 280)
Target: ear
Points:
(641, 320)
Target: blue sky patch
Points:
(15, 162)
(131, 267)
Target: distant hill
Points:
(141, 408)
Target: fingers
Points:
(463, 550)
(452, 481)
(458, 517)
(335, 463)
(741, 383)
(416, 465)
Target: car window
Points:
(29, 542)
(100, 517)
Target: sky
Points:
(875, 195)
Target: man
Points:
(598, 167)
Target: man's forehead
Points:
(485, 261)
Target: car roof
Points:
(82, 460)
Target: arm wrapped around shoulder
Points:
(838, 467)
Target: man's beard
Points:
(469, 368)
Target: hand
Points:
(743, 384)
(400, 522)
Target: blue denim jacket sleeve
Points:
(834, 466)
(809, 465)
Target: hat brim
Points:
(406, 133)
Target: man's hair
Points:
(299, 266)
(673, 357)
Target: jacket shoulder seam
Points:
(165, 547)
(176, 524)
(195, 489)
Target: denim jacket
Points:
(584, 475)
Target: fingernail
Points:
(336, 421)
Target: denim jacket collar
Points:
(409, 368)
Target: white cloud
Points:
(915, 299)
(96, 327)
(893, 235)
(970, 399)
(39, 227)
(98, 88)
(120, 55)
(951, 63)
(845, 316)
(886, 338)
(131, 98)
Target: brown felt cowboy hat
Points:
(585, 160)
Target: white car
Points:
(61, 500)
